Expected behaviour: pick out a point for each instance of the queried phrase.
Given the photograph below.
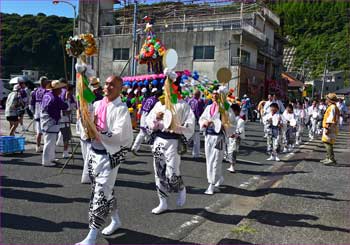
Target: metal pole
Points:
(73, 60)
(134, 39)
(324, 75)
(240, 51)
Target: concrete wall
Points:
(329, 87)
(107, 66)
(269, 32)
(88, 16)
(182, 42)
(106, 17)
(252, 49)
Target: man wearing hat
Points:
(24, 98)
(147, 106)
(96, 88)
(51, 107)
(65, 120)
(13, 103)
(37, 97)
(330, 128)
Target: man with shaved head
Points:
(108, 150)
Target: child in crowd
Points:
(273, 121)
(289, 128)
(300, 115)
(235, 138)
(313, 114)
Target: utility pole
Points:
(324, 75)
(55, 2)
(240, 50)
(134, 40)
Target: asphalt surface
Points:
(41, 206)
(310, 207)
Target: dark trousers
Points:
(329, 151)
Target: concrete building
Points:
(334, 81)
(31, 75)
(206, 38)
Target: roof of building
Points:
(292, 81)
(343, 91)
(332, 73)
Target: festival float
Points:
(155, 55)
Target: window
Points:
(326, 88)
(245, 57)
(203, 52)
(121, 54)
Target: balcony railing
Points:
(270, 50)
(253, 31)
(268, 13)
(232, 24)
(235, 61)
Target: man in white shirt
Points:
(108, 150)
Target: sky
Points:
(37, 6)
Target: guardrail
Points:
(232, 24)
(235, 61)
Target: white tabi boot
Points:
(181, 198)
(114, 225)
(163, 206)
(210, 190)
(219, 182)
(90, 239)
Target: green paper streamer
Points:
(226, 105)
(88, 95)
(173, 98)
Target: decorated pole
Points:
(80, 47)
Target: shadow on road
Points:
(38, 197)
(126, 236)
(265, 173)
(232, 241)
(285, 219)
(282, 191)
(30, 223)
(7, 182)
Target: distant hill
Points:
(33, 42)
(315, 29)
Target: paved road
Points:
(39, 205)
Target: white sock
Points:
(114, 225)
(181, 199)
(90, 239)
(163, 205)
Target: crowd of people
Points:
(118, 108)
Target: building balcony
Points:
(209, 25)
(235, 61)
(271, 16)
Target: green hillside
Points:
(33, 42)
(316, 29)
